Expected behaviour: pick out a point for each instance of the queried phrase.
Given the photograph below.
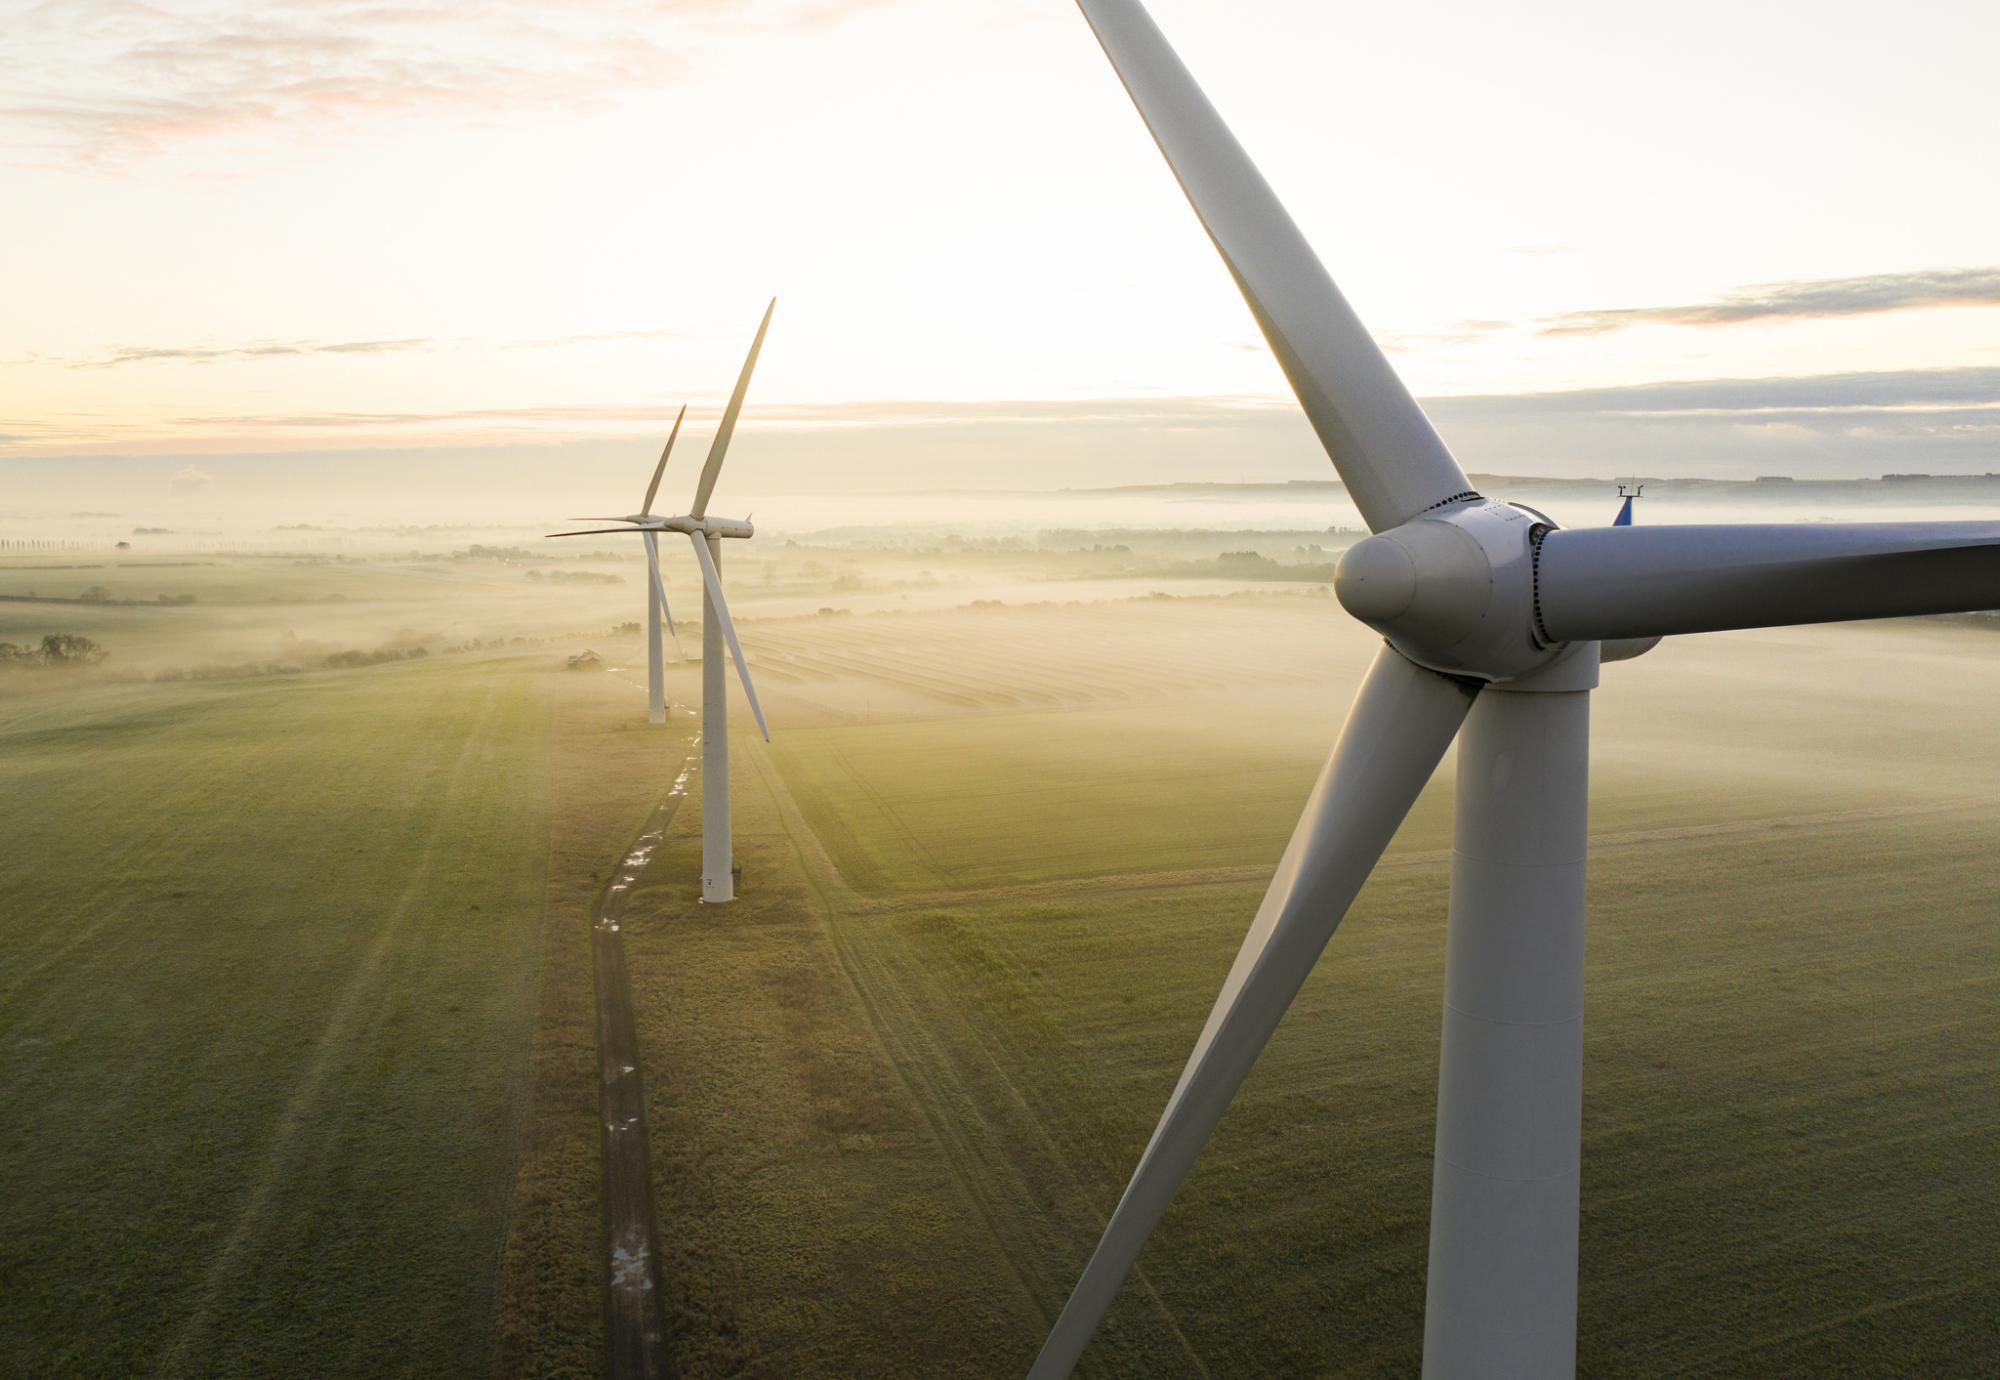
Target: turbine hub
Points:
(1453, 590)
(1376, 579)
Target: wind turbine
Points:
(705, 534)
(656, 589)
(1494, 622)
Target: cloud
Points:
(109, 81)
(190, 480)
(1445, 337)
(1910, 401)
(1827, 395)
(1860, 423)
(1945, 420)
(1805, 300)
(119, 355)
(1163, 413)
(205, 354)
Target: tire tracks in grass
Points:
(115, 861)
(334, 1046)
(929, 1066)
(98, 895)
(924, 1064)
(1711, 1359)
(141, 853)
(1412, 860)
(890, 816)
(824, 877)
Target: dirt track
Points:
(635, 1330)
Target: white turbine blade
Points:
(661, 468)
(1618, 582)
(660, 586)
(594, 532)
(713, 580)
(1387, 453)
(717, 447)
(1402, 721)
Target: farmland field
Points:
(297, 1054)
(281, 1021)
(898, 1086)
(269, 960)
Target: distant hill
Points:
(1896, 488)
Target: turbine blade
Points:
(717, 447)
(660, 586)
(1617, 582)
(713, 580)
(1402, 721)
(594, 532)
(1384, 447)
(661, 468)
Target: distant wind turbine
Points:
(656, 589)
(1494, 622)
(705, 534)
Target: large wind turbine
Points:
(705, 534)
(1494, 623)
(656, 589)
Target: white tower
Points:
(705, 534)
(718, 882)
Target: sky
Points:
(455, 247)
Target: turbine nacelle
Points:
(700, 529)
(1454, 589)
(685, 523)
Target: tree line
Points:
(57, 649)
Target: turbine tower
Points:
(1494, 622)
(705, 534)
(656, 603)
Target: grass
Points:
(608, 769)
(965, 803)
(270, 985)
(1786, 1118)
(813, 1218)
(296, 1019)
(974, 948)
(261, 609)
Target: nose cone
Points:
(1375, 580)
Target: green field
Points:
(296, 1017)
(903, 1080)
(297, 1053)
(269, 977)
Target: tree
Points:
(71, 649)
